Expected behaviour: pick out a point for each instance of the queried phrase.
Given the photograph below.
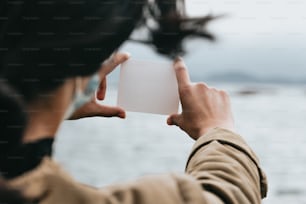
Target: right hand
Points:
(203, 108)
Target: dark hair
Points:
(45, 42)
(42, 43)
(168, 25)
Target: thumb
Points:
(110, 111)
(175, 119)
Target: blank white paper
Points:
(149, 87)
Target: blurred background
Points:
(259, 57)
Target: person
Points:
(40, 87)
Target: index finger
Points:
(181, 72)
(112, 62)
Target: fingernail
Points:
(121, 115)
(169, 121)
(125, 55)
(128, 54)
(178, 58)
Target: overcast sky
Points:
(261, 37)
(250, 18)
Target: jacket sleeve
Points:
(221, 170)
(49, 184)
(224, 165)
(221, 165)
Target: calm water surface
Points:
(101, 151)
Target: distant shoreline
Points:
(241, 78)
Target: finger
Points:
(175, 119)
(181, 72)
(93, 109)
(110, 64)
(102, 89)
(110, 111)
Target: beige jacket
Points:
(221, 169)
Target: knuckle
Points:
(180, 65)
(114, 60)
(223, 93)
(213, 89)
(180, 69)
(202, 85)
(185, 90)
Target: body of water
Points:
(272, 119)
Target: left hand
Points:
(93, 108)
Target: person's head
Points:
(44, 44)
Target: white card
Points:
(149, 87)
